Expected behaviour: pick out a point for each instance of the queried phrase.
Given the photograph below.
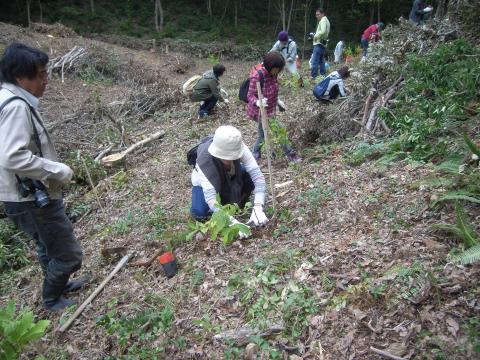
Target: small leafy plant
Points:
(16, 332)
(220, 224)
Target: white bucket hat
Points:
(227, 143)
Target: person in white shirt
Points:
(339, 52)
(288, 48)
(226, 166)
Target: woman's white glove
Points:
(241, 234)
(281, 105)
(264, 102)
(258, 217)
(224, 93)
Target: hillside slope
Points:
(349, 262)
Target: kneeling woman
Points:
(227, 167)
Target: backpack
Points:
(192, 153)
(243, 91)
(320, 89)
(188, 86)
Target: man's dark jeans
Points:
(207, 106)
(58, 250)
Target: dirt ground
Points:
(348, 264)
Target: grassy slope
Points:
(349, 262)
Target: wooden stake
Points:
(266, 128)
(99, 288)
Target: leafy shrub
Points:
(12, 251)
(84, 165)
(18, 331)
(220, 224)
(433, 100)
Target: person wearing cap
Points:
(419, 12)
(288, 48)
(226, 166)
(273, 63)
(333, 85)
(208, 92)
(373, 32)
(320, 41)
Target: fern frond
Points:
(469, 256)
(450, 166)
(458, 195)
(470, 237)
(451, 229)
(439, 182)
(471, 145)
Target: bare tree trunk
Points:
(92, 7)
(283, 14)
(28, 13)
(158, 16)
(372, 13)
(441, 9)
(292, 4)
(378, 10)
(268, 11)
(224, 11)
(41, 11)
(209, 7)
(236, 13)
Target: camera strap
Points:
(36, 137)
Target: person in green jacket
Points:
(320, 40)
(208, 91)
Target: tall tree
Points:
(209, 8)
(29, 21)
(41, 11)
(158, 16)
(92, 7)
(292, 5)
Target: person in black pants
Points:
(31, 176)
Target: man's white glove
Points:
(241, 234)
(281, 105)
(226, 101)
(264, 102)
(65, 173)
(428, 9)
(258, 217)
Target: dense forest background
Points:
(243, 21)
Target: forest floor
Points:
(350, 262)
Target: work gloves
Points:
(226, 101)
(428, 9)
(263, 102)
(258, 217)
(281, 105)
(241, 234)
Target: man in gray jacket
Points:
(208, 91)
(31, 176)
(288, 48)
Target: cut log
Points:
(114, 159)
(149, 261)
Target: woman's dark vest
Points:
(229, 188)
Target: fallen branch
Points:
(116, 158)
(99, 288)
(103, 153)
(242, 336)
(386, 354)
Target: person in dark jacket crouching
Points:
(207, 91)
(226, 166)
(31, 176)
